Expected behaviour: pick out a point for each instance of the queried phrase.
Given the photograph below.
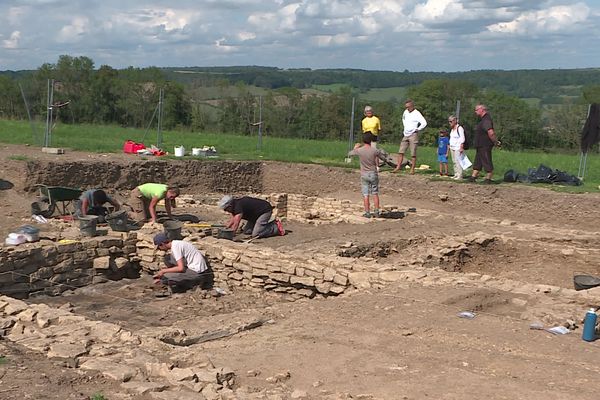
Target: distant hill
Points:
(550, 86)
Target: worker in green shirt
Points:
(144, 198)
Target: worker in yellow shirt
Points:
(371, 123)
(144, 198)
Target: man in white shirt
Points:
(413, 122)
(185, 267)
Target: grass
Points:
(3, 360)
(110, 139)
(18, 157)
(97, 396)
(385, 94)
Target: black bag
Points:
(467, 143)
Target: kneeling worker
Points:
(144, 198)
(185, 267)
(91, 202)
(256, 212)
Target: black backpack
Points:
(467, 143)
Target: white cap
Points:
(225, 201)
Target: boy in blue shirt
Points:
(443, 149)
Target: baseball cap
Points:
(160, 238)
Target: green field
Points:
(110, 139)
(385, 94)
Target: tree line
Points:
(129, 97)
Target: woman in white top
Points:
(457, 140)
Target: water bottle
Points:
(589, 326)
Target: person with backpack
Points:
(457, 145)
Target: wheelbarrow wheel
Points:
(43, 207)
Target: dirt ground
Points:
(403, 341)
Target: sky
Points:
(393, 35)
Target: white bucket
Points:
(179, 151)
(196, 151)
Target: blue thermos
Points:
(589, 326)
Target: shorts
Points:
(369, 183)
(483, 159)
(411, 142)
(443, 158)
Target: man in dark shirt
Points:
(257, 214)
(485, 140)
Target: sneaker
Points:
(376, 214)
(487, 182)
(367, 214)
(471, 179)
(280, 227)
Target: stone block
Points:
(336, 289)
(328, 274)
(177, 375)
(110, 369)
(121, 262)
(157, 370)
(42, 273)
(66, 350)
(323, 288)
(27, 315)
(235, 276)
(14, 306)
(102, 263)
(68, 247)
(391, 276)
(314, 274)
(360, 280)
(63, 266)
(306, 281)
(80, 256)
(108, 242)
(142, 388)
(260, 272)
(340, 280)
(280, 277)
(49, 252)
(288, 268)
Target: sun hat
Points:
(225, 202)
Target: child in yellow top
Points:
(371, 123)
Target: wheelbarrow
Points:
(51, 198)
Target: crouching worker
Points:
(144, 198)
(91, 202)
(185, 267)
(256, 213)
(369, 178)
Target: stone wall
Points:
(51, 268)
(197, 175)
(142, 363)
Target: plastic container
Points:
(87, 225)
(172, 229)
(225, 233)
(118, 221)
(179, 151)
(196, 151)
(589, 326)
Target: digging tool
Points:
(204, 225)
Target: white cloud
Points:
(383, 34)
(554, 19)
(13, 41)
(73, 32)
